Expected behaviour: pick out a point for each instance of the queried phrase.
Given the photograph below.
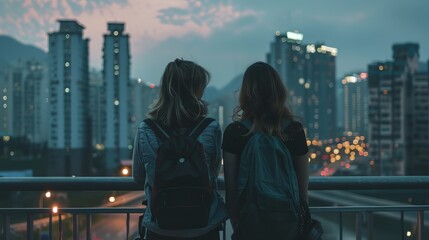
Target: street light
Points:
(125, 171)
(55, 209)
(47, 194)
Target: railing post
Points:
(128, 225)
(50, 227)
(6, 227)
(420, 224)
(60, 227)
(358, 226)
(341, 226)
(369, 226)
(88, 226)
(75, 227)
(402, 226)
(29, 226)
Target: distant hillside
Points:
(12, 50)
(234, 85)
(212, 94)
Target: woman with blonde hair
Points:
(176, 114)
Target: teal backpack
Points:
(267, 189)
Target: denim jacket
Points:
(144, 157)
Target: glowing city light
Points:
(55, 209)
(295, 36)
(112, 199)
(125, 171)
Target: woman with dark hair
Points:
(262, 110)
(179, 108)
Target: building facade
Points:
(116, 76)
(308, 71)
(398, 113)
(69, 121)
(355, 100)
(24, 106)
(287, 56)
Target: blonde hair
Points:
(179, 99)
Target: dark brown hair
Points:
(262, 99)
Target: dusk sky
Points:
(226, 36)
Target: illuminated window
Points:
(116, 50)
(5, 98)
(116, 67)
(116, 102)
(5, 105)
(307, 85)
(67, 90)
(116, 73)
(67, 64)
(67, 36)
(116, 33)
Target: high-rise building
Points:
(96, 99)
(355, 100)
(143, 94)
(398, 113)
(5, 106)
(287, 56)
(308, 72)
(24, 93)
(116, 76)
(320, 95)
(69, 122)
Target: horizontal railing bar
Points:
(128, 183)
(114, 210)
(77, 210)
(398, 208)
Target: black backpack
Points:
(182, 193)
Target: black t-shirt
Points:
(234, 140)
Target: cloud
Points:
(148, 22)
(225, 35)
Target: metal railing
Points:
(127, 184)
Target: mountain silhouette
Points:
(12, 50)
(212, 94)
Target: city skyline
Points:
(218, 35)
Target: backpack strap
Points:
(200, 127)
(160, 132)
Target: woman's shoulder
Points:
(235, 130)
(235, 126)
(212, 126)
